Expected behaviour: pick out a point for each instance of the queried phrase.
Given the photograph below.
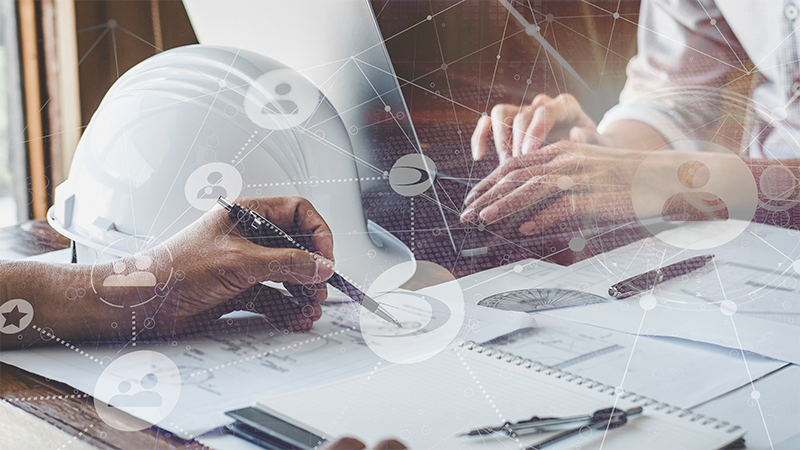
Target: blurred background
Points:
(59, 57)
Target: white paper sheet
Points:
(755, 275)
(231, 370)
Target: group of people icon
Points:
(138, 278)
(146, 398)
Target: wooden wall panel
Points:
(115, 35)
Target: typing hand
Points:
(348, 443)
(521, 130)
(556, 183)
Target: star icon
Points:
(16, 315)
(13, 317)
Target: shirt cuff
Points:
(660, 120)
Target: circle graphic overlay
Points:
(137, 390)
(701, 183)
(412, 174)
(15, 316)
(211, 181)
(430, 321)
(280, 99)
(535, 300)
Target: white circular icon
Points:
(696, 188)
(281, 99)
(430, 323)
(15, 316)
(211, 181)
(134, 284)
(137, 390)
(412, 174)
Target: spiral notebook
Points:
(433, 404)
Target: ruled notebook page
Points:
(430, 404)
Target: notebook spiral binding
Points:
(600, 387)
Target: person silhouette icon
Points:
(146, 398)
(281, 99)
(213, 190)
(694, 205)
(281, 106)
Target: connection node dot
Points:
(387, 108)
(647, 302)
(429, 17)
(778, 114)
(755, 395)
(577, 244)
(616, 15)
(727, 307)
(565, 183)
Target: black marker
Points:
(256, 227)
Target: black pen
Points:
(256, 227)
(648, 280)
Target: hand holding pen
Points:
(262, 231)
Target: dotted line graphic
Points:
(47, 397)
(186, 435)
(488, 398)
(133, 328)
(261, 355)
(413, 240)
(252, 136)
(372, 372)
(64, 343)
(295, 183)
(78, 436)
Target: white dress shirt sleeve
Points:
(685, 50)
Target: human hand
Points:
(521, 130)
(570, 179)
(349, 443)
(214, 269)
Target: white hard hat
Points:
(193, 123)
